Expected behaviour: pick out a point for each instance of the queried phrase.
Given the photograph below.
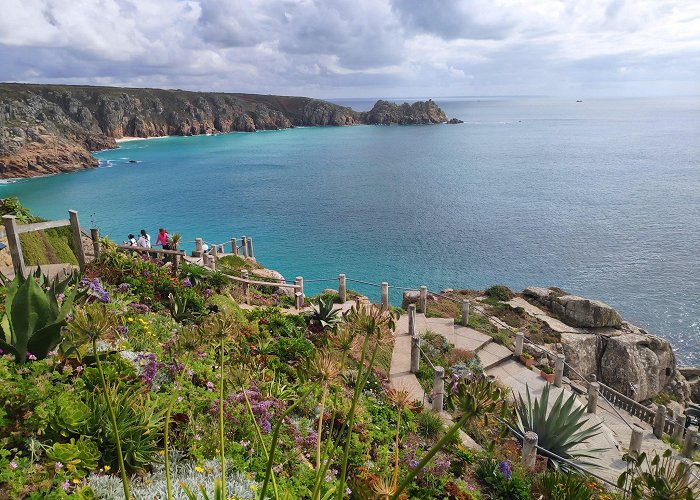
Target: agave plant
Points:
(323, 314)
(558, 429)
(34, 315)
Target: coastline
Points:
(128, 138)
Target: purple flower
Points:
(94, 289)
(13, 465)
(210, 386)
(146, 273)
(65, 486)
(123, 287)
(413, 463)
(60, 297)
(1, 351)
(187, 283)
(139, 308)
(122, 330)
(505, 470)
(30, 356)
(58, 465)
(148, 368)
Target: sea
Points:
(600, 198)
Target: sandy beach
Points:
(127, 138)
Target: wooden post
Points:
(412, 320)
(415, 354)
(593, 396)
(689, 443)
(244, 246)
(438, 387)
(77, 239)
(659, 421)
(300, 281)
(234, 246)
(198, 248)
(679, 428)
(529, 450)
(636, 440)
(246, 286)
(95, 235)
(342, 290)
(465, 313)
(519, 339)
(15, 246)
(558, 370)
(251, 254)
(385, 295)
(423, 304)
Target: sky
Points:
(359, 48)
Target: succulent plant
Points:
(81, 455)
(70, 415)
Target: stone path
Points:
(498, 362)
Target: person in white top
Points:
(144, 240)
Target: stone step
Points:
(468, 338)
(493, 354)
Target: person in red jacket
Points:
(163, 239)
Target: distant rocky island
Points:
(47, 129)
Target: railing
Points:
(627, 404)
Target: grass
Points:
(51, 246)
(234, 262)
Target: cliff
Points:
(48, 129)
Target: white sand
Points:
(127, 138)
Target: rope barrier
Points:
(363, 282)
(426, 357)
(319, 280)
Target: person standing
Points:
(163, 239)
(144, 240)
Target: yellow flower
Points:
(107, 468)
(76, 481)
(161, 452)
(199, 469)
(130, 320)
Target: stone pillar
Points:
(558, 370)
(244, 246)
(300, 281)
(423, 304)
(636, 440)
(438, 387)
(251, 254)
(412, 320)
(415, 354)
(519, 340)
(77, 239)
(176, 263)
(679, 428)
(205, 259)
(529, 450)
(198, 247)
(659, 421)
(213, 257)
(689, 443)
(298, 300)
(342, 290)
(593, 388)
(465, 313)
(95, 235)
(385, 295)
(13, 242)
(234, 246)
(246, 286)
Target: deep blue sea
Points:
(600, 198)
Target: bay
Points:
(600, 198)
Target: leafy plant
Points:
(78, 456)
(70, 415)
(34, 316)
(558, 485)
(429, 424)
(324, 314)
(664, 477)
(559, 429)
(499, 292)
(506, 483)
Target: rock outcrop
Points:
(47, 129)
(574, 310)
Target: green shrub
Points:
(506, 483)
(557, 485)
(51, 246)
(78, 456)
(429, 424)
(499, 292)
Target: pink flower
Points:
(58, 465)
(30, 356)
(66, 486)
(13, 465)
(210, 386)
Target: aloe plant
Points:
(558, 430)
(34, 315)
(324, 314)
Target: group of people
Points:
(144, 239)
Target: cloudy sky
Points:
(359, 48)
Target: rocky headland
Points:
(47, 129)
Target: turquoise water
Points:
(600, 198)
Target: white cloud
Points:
(356, 47)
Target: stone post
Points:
(636, 440)
(298, 300)
(415, 354)
(77, 238)
(246, 286)
(213, 257)
(251, 254)
(689, 443)
(529, 450)
(465, 313)
(13, 242)
(412, 320)
(244, 246)
(176, 263)
(95, 235)
(234, 246)
(558, 370)
(519, 339)
(593, 396)
(342, 290)
(659, 421)
(438, 387)
(679, 428)
(423, 304)
(198, 247)
(385, 295)
(205, 259)
(300, 281)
